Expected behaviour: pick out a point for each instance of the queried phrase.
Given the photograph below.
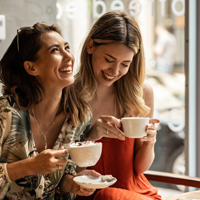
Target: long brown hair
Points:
(26, 89)
(116, 27)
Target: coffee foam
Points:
(85, 143)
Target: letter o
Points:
(178, 13)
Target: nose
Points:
(67, 55)
(114, 70)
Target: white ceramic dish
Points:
(89, 181)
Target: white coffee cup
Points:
(134, 127)
(85, 155)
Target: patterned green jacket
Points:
(16, 143)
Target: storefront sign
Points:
(134, 8)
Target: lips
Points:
(66, 68)
(108, 76)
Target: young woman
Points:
(39, 117)
(111, 77)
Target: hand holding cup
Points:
(139, 127)
(134, 127)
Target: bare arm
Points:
(45, 162)
(144, 148)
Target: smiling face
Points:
(110, 62)
(54, 68)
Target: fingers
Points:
(89, 172)
(59, 153)
(149, 139)
(107, 124)
(112, 120)
(153, 120)
(151, 130)
(151, 127)
(61, 148)
(86, 191)
(53, 160)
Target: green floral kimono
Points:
(16, 143)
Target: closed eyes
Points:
(110, 61)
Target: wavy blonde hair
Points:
(116, 27)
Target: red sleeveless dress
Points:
(117, 160)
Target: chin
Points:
(70, 81)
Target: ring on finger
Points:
(107, 131)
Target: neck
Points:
(103, 92)
(47, 109)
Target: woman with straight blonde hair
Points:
(39, 118)
(111, 77)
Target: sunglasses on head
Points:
(27, 28)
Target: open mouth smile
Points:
(108, 76)
(66, 69)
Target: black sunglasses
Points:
(27, 28)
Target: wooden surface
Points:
(173, 178)
(188, 195)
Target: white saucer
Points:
(89, 181)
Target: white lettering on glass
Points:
(134, 8)
(135, 5)
(59, 11)
(117, 5)
(152, 1)
(71, 10)
(174, 10)
(162, 7)
(97, 3)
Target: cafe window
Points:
(164, 31)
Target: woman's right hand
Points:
(48, 161)
(44, 163)
(105, 127)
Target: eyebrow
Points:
(57, 45)
(116, 58)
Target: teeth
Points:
(66, 69)
(109, 77)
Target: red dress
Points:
(117, 160)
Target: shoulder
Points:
(5, 116)
(9, 109)
(147, 91)
(6, 103)
(148, 97)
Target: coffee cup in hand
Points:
(134, 127)
(86, 153)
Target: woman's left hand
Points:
(70, 186)
(151, 130)
(81, 191)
